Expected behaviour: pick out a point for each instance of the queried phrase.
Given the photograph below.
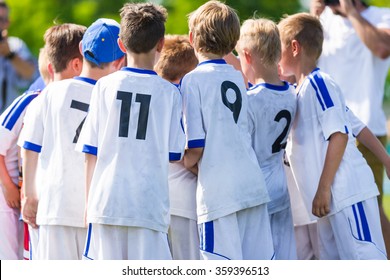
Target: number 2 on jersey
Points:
(235, 107)
(278, 145)
(124, 118)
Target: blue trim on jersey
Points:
(317, 94)
(198, 143)
(32, 147)
(284, 87)
(363, 220)
(346, 129)
(37, 85)
(174, 156)
(139, 70)
(90, 150)
(213, 61)
(323, 90)
(13, 115)
(85, 79)
(208, 237)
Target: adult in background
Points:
(356, 53)
(17, 67)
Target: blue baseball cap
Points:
(100, 42)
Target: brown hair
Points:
(177, 58)
(62, 44)
(142, 26)
(304, 28)
(262, 37)
(215, 28)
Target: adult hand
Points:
(348, 7)
(317, 7)
(4, 47)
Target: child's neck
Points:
(142, 60)
(267, 75)
(207, 56)
(303, 70)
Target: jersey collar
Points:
(139, 70)
(214, 61)
(284, 87)
(85, 79)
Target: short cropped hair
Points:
(215, 28)
(43, 61)
(142, 26)
(177, 58)
(304, 28)
(262, 37)
(62, 44)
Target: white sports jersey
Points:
(134, 129)
(182, 191)
(271, 112)
(360, 74)
(215, 107)
(321, 112)
(11, 123)
(52, 126)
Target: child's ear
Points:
(121, 46)
(160, 44)
(295, 47)
(248, 56)
(77, 64)
(81, 48)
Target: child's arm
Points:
(10, 189)
(369, 140)
(321, 202)
(30, 199)
(192, 157)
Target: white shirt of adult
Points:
(134, 128)
(360, 74)
(216, 114)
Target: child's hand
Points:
(12, 196)
(321, 202)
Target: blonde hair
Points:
(177, 58)
(215, 28)
(142, 26)
(43, 62)
(304, 28)
(262, 37)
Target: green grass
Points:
(386, 205)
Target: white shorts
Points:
(243, 235)
(57, 242)
(183, 238)
(283, 235)
(11, 233)
(307, 242)
(352, 234)
(109, 242)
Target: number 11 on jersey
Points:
(124, 118)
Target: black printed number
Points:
(82, 107)
(278, 145)
(235, 107)
(124, 118)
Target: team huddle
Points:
(151, 146)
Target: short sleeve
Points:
(356, 124)
(176, 133)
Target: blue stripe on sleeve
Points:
(208, 237)
(90, 150)
(198, 143)
(17, 110)
(32, 147)
(174, 156)
(323, 90)
(317, 94)
(363, 219)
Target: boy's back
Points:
(215, 105)
(137, 115)
(271, 113)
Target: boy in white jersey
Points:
(131, 133)
(52, 126)
(177, 59)
(272, 106)
(231, 193)
(334, 179)
(11, 122)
